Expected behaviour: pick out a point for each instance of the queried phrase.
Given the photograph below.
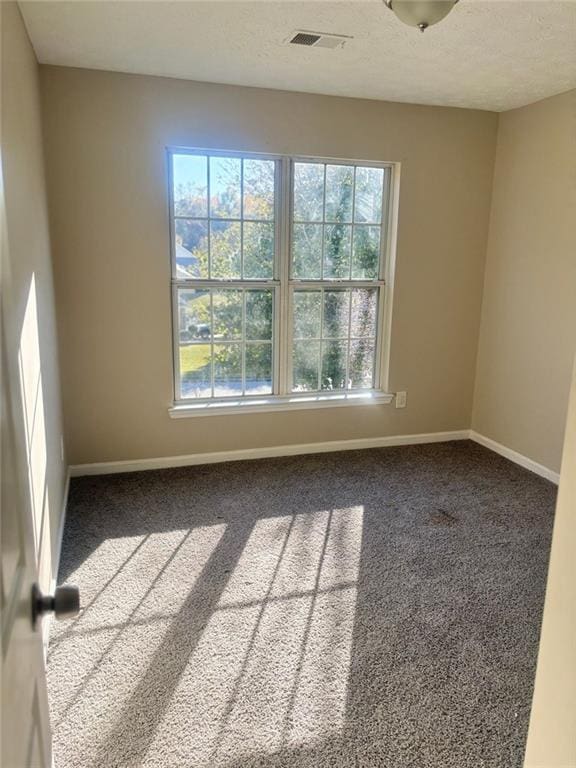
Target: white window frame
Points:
(283, 285)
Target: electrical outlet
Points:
(400, 399)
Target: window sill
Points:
(183, 410)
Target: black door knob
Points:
(64, 603)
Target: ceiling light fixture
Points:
(421, 13)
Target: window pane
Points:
(258, 247)
(308, 191)
(194, 315)
(227, 370)
(225, 249)
(259, 189)
(227, 314)
(361, 365)
(258, 369)
(195, 370)
(224, 229)
(190, 185)
(334, 364)
(328, 193)
(259, 311)
(225, 187)
(191, 248)
(239, 324)
(336, 314)
(346, 362)
(337, 244)
(339, 192)
(368, 202)
(305, 362)
(307, 251)
(366, 253)
(307, 312)
(364, 301)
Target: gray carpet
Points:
(367, 608)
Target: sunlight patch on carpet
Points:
(127, 612)
(271, 669)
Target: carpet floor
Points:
(355, 609)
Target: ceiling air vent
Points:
(316, 39)
(305, 38)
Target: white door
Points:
(25, 722)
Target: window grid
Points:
(349, 224)
(325, 283)
(282, 283)
(324, 340)
(352, 225)
(244, 341)
(210, 220)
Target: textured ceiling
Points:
(492, 55)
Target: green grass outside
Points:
(193, 357)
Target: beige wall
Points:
(105, 136)
(528, 331)
(28, 317)
(552, 733)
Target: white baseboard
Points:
(517, 458)
(137, 465)
(163, 462)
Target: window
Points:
(278, 273)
